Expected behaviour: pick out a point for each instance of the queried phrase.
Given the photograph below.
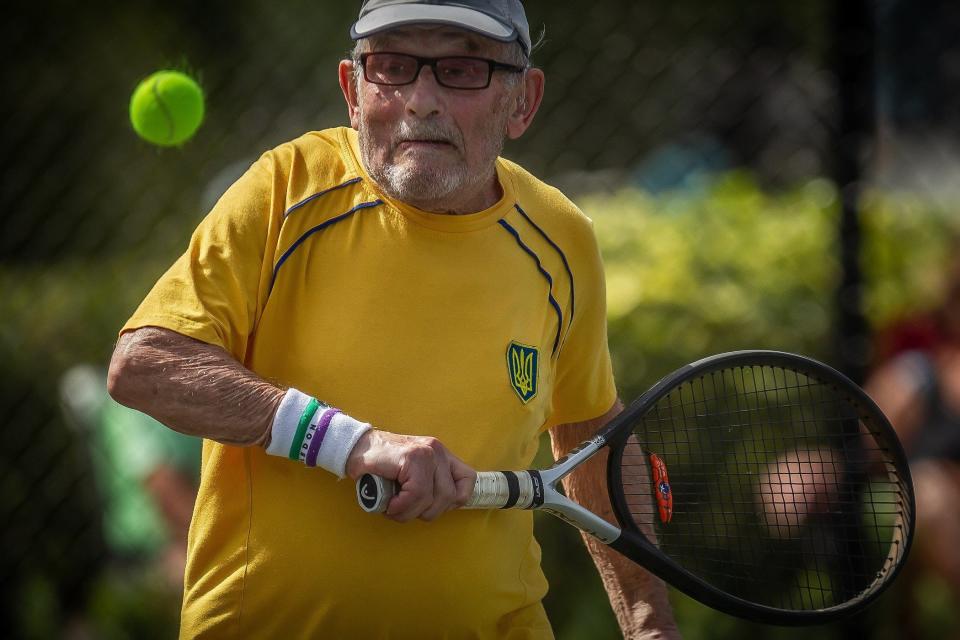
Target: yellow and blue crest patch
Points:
(522, 365)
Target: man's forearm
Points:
(201, 390)
(639, 599)
(192, 387)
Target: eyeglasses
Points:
(454, 72)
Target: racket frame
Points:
(633, 544)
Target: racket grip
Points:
(506, 490)
(492, 490)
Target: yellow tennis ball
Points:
(166, 108)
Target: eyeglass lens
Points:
(453, 72)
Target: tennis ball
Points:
(166, 109)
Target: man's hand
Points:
(432, 480)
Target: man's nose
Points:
(424, 98)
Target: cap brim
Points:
(398, 15)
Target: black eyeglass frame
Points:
(492, 65)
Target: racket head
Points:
(764, 484)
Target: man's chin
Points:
(426, 163)
(421, 185)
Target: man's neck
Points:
(460, 203)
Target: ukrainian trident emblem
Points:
(522, 367)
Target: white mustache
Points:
(428, 131)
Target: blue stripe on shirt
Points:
(309, 199)
(319, 227)
(536, 259)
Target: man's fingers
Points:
(454, 488)
(444, 493)
(416, 478)
(403, 506)
(414, 497)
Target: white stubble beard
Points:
(441, 190)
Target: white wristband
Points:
(286, 420)
(341, 437)
(324, 438)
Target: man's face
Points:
(428, 145)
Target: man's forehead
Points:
(436, 34)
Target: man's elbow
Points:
(122, 376)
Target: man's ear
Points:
(348, 86)
(527, 103)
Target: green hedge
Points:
(732, 267)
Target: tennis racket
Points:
(764, 484)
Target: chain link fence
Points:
(657, 96)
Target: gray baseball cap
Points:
(502, 20)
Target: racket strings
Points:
(769, 467)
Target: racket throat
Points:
(573, 459)
(570, 512)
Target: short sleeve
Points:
(214, 290)
(584, 385)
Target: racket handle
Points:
(492, 490)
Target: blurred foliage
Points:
(689, 273)
(907, 245)
(731, 266)
(69, 312)
(716, 269)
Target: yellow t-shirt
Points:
(481, 330)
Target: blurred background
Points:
(761, 175)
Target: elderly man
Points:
(349, 304)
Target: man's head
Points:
(433, 90)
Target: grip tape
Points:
(492, 490)
(513, 489)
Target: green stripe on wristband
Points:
(302, 428)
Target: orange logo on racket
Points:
(661, 488)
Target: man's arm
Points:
(201, 390)
(192, 387)
(897, 388)
(639, 599)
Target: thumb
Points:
(464, 478)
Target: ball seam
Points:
(171, 125)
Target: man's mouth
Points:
(418, 143)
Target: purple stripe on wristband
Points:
(318, 435)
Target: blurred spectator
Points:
(917, 385)
(146, 473)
